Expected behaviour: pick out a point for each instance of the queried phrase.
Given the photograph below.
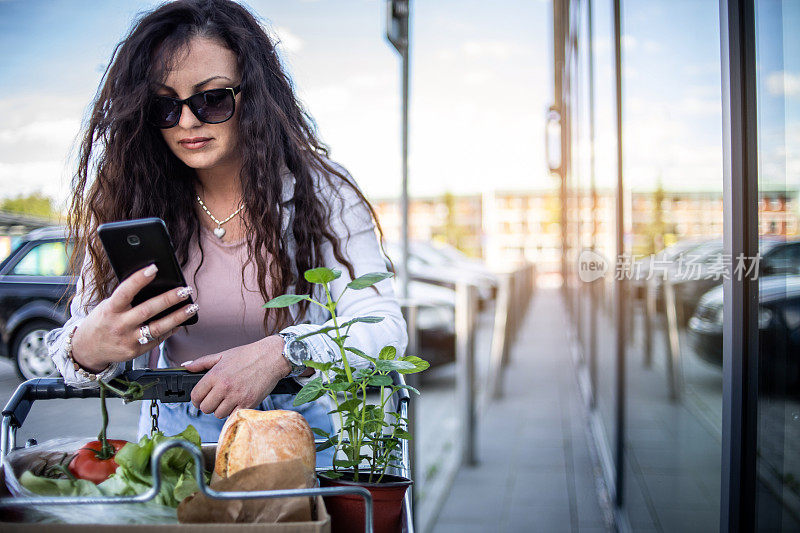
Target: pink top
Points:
(231, 309)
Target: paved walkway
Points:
(536, 471)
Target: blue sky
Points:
(481, 83)
(479, 87)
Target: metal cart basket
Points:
(171, 386)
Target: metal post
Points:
(465, 361)
(512, 308)
(649, 313)
(674, 373)
(560, 18)
(593, 286)
(397, 32)
(620, 293)
(410, 310)
(740, 235)
(500, 336)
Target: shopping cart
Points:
(171, 386)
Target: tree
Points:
(36, 204)
(658, 228)
(453, 232)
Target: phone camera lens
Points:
(133, 240)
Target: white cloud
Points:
(493, 49)
(783, 83)
(49, 177)
(41, 131)
(629, 43)
(288, 41)
(37, 136)
(477, 49)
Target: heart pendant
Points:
(219, 232)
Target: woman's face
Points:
(206, 65)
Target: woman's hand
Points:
(239, 378)
(110, 332)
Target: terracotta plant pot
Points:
(347, 510)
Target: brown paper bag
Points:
(197, 509)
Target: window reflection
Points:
(778, 457)
(47, 259)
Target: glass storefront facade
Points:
(777, 53)
(663, 108)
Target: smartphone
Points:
(132, 245)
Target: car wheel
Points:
(30, 351)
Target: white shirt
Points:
(352, 224)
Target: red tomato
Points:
(86, 465)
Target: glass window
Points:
(46, 259)
(778, 405)
(672, 100)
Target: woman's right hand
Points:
(110, 332)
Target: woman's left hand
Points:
(239, 378)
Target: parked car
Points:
(435, 321)
(35, 287)
(700, 268)
(427, 263)
(778, 329)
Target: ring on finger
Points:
(145, 335)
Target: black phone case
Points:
(133, 244)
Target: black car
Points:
(707, 270)
(778, 328)
(35, 287)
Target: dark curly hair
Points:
(136, 175)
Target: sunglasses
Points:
(212, 107)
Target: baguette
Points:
(250, 437)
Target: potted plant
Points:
(368, 440)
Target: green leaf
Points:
(380, 381)
(409, 387)
(360, 354)
(400, 434)
(367, 280)
(345, 463)
(320, 432)
(321, 275)
(340, 386)
(373, 426)
(362, 373)
(349, 406)
(365, 319)
(355, 351)
(58, 487)
(388, 353)
(185, 486)
(133, 473)
(332, 474)
(399, 365)
(286, 300)
(419, 364)
(310, 392)
(316, 332)
(319, 366)
(330, 441)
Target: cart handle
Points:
(167, 386)
(199, 467)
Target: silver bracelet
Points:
(78, 368)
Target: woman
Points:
(196, 123)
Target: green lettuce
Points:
(134, 473)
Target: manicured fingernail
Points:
(184, 292)
(150, 271)
(187, 363)
(192, 309)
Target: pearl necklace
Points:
(219, 231)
